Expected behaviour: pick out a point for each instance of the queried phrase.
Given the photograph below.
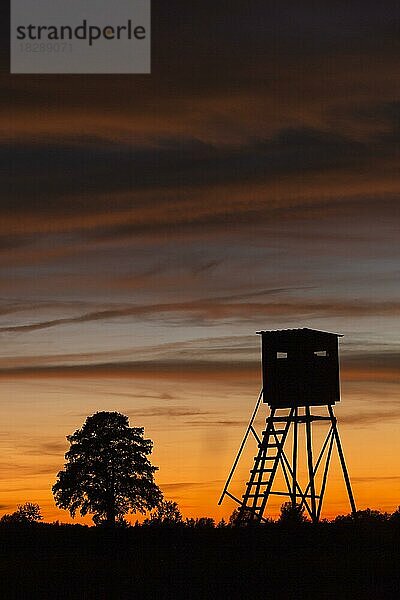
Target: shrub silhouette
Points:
(222, 524)
(107, 472)
(201, 523)
(368, 516)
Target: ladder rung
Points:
(261, 470)
(258, 483)
(253, 496)
(264, 457)
(272, 431)
(269, 445)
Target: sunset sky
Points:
(151, 224)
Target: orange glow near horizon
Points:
(196, 427)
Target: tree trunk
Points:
(111, 515)
(111, 497)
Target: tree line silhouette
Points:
(168, 515)
(108, 474)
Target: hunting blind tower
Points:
(300, 369)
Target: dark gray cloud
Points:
(262, 217)
(61, 177)
(203, 34)
(380, 367)
(190, 307)
(203, 311)
(169, 369)
(375, 361)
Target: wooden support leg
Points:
(342, 462)
(310, 465)
(294, 458)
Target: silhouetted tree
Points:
(343, 519)
(26, 514)
(201, 523)
(292, 514)
(107, 472)
(370, 515)
(366, 516)
(30, 511)
(166, 513)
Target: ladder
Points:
(263, 473)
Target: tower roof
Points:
(304, 333)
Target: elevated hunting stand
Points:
(300, 370)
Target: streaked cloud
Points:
(185, 485)
(376, 478)
(367, 367)
(374, 417)
(209, 310)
